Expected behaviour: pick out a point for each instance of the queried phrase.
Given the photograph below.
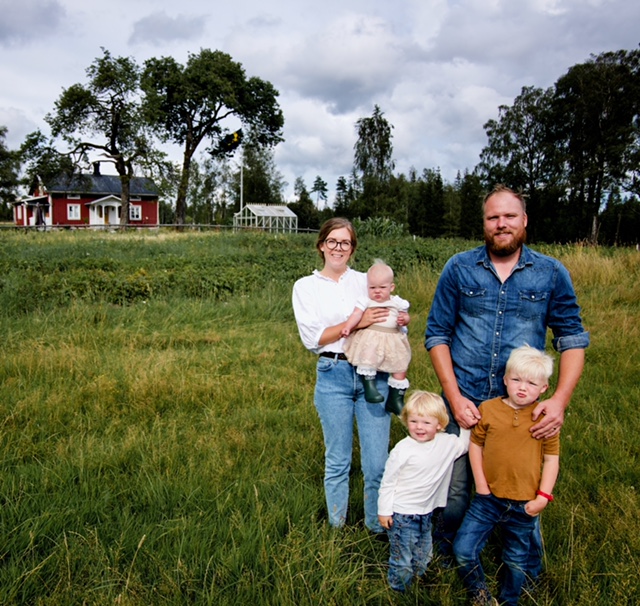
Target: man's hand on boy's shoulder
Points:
(550, 416)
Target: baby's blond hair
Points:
(425, 404)
(380, 267)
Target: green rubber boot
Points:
(395, 401)
(371, 393)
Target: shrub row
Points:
(59, 268)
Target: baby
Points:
(383, 346)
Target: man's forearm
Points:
(569, 372)
(443, 366)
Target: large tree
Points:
(107, 111)
(598, 104)
(524, 152)
(205, 100)
(568, 147)
(373, 149)
(373, 165)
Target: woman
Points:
(322, 302)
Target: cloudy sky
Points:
(438, 69)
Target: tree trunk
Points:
(125, 170)
(183, 187)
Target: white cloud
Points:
(29, 20)
(438, 69)
(159, 28)
(18, 126)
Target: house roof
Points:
(33, 201)
(261, 210)
(101, 185)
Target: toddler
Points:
(415, 482)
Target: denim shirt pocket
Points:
(532, 304)
(473, 300)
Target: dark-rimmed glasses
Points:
(332, 244)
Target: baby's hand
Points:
(345, 332)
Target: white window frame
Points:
(135, 212)
(73, 212)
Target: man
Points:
(489, 301)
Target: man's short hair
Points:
(501, 188)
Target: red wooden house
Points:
(88, 200)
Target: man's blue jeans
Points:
(448, 520)
(410, 548)
(486, 513)
(339, 400)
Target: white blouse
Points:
(319, 302)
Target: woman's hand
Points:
(373, 315)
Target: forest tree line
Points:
(573, 149)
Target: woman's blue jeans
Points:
(410, 548)
(486, 513)
(339, 400)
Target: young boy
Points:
(415, 482)
(514, 477)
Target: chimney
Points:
(96, 169)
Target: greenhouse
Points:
(276, 218)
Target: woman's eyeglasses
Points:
(332, 244)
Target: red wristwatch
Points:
(549, 497)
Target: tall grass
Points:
(163, 448)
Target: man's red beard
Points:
(507, 248)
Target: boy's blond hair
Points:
(425, 404)
(530, 363)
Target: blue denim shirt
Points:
(482, 319)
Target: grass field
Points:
(159, 443)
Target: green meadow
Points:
(159, 444)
